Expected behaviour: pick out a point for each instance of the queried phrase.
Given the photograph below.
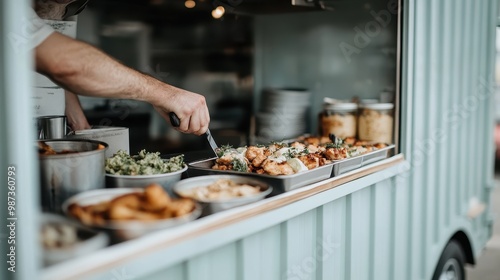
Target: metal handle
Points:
(174, 119)
(74, 8)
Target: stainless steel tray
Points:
(346, 165)
(284, 183)
(280, 183)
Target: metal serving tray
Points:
(284, 183)
(346, 165)
(280, 183)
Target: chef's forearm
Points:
(86, 70)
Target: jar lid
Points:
(378, 106)
(341, 106)
(368, 101)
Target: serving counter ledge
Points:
(159, 250)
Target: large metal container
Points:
(66, 174)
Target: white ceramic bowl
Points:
(89, 240)
(166, 180)
(124, 230)
(213, 206)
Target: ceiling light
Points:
(189, 4)
(218, 12)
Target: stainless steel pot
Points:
(66, 174)
(52, 127)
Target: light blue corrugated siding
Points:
(445, 90)
(417, 236)
(262, 251)
(397, 228)
(489, 108)
(401, 233)
(333, 239)
(467, 159)
(381, 233)
(445, 194)
(358, 235)
(221, 262)
(298, 243)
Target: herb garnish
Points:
(223, 149)
(337, 144)
(280, 144)
(294, 152)
(239, 165)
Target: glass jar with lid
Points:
(339, 119)
(376, 122)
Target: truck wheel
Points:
(451, 263)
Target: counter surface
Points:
(138, 250)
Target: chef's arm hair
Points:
(74, 112)
(85, 70)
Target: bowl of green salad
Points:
(145, 168)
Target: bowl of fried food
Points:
(221, 192)
(130, 213)
(135, 171)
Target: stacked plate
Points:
(283, 114)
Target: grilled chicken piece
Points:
(315, 149)
(298, 146)
(253, 151)
(380, 145)
(272, 167)
(323, 161)
(335, 153)
(257, 155)
(222, 167)
(310, 161)
(350, 140)
(226, 159)
(257, 162)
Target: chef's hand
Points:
(190, 107)
(74, 113)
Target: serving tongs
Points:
(335, 140)
(74, 8)
(176, 122)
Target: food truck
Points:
(419, 210)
